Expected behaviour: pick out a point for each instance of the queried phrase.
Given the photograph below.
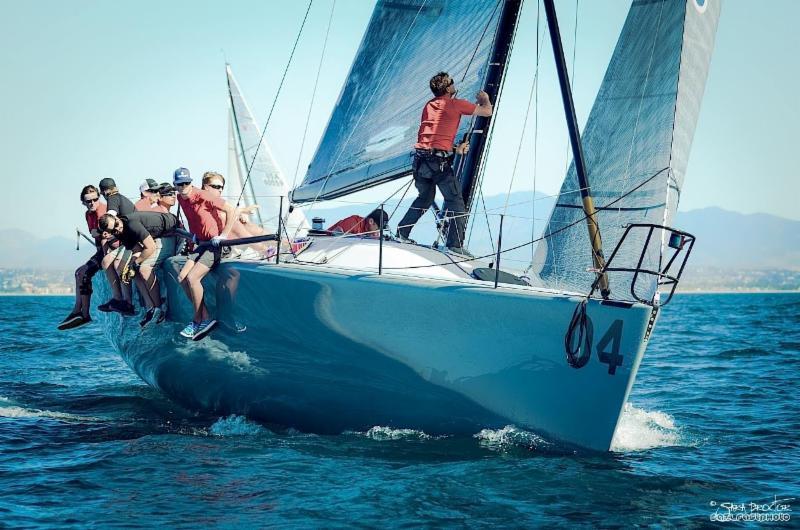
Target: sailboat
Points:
(353, 332)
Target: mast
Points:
(241, 146)
(494, 79)
(577, 149)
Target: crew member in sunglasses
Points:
(90, 198)
(138, 233)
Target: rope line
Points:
(274, 102)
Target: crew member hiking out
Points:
(90, 197)
(139, 233)
(116, 255)
(433, 157)
(203, 211)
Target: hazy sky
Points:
(132, 90)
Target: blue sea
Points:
(711, 431)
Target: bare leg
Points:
(194, 282)
(111, 275)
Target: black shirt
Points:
(138, 225)
(120, 204)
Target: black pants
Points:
(429, 172)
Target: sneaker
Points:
(239, 327)
(204, 328)
(461, 251)
(107, 307)
(403, 239)
(161, 314)
(148, 316)
(73, 320)
(189, 330)
(126, 309)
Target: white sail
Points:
(234, 179)
(266, 183)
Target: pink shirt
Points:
(439, 124)
(202, 210)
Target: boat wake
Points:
(380, 433)
(639, 430)
(510, 437)
(9, 410)
(234, 425)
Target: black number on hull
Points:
(612, 358)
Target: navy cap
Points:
(107, 184)
(181, 176)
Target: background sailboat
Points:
(254, 174)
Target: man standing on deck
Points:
(433, 157)
(202, 210)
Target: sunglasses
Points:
(182, 184)
(89, 202)
(114, 229)
(170, 194)
(216, 186)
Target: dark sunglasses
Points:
(182, 184)
(87, 202)
(170, 194)
(216, 186)
(113, 228)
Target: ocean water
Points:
(712, 425)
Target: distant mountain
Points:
(730, 240)
(729, 244)
(23, 250)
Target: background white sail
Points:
(266, 184)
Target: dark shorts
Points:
(207, 256)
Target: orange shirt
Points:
(439, 124)
(202, 210)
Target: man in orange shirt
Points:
(433, 157)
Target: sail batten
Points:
(636, 142)
(370, 136)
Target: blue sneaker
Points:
(189, 330)
(203, 328)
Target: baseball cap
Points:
(166, 188)
(107, 183)
(148, 185)
(181, 176)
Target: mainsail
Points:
(235, 180)
(636, 143)
(374, 125)
(266, 184)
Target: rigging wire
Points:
(549, 234)
(274, 102)
(572, 75)
(535, 132)
(313, 95)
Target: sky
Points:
(132, 90)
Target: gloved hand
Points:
(130, 270)
(216, 241)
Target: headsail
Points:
(636, 142)
(266, 184)
(374, 125)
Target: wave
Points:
(234, 425)
(510, 437)
(381, 433)
(639, 430)
(21, 412)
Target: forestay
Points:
(266, 184)
(372, 130)
(636, 142)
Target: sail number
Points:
(613, 337)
